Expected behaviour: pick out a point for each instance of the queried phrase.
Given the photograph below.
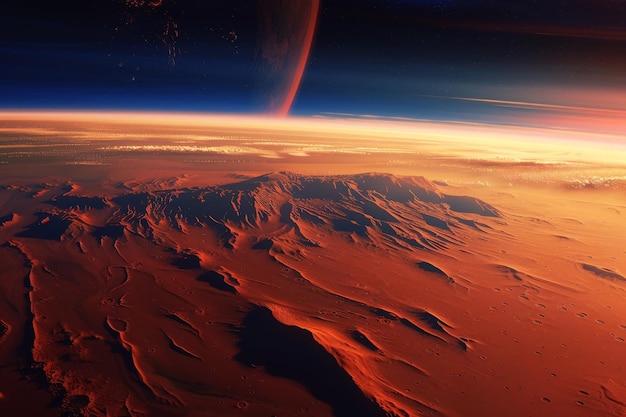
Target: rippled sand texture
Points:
(290, 295)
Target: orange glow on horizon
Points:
(449, 138)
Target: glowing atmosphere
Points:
(327, 208)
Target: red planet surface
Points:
(186, 265)
(310, 220)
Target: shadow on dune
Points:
(48, 227)
(293, 353)
(603, 272)
(6, 219)
(217, 281)
(80, 203)
(111, 230)
(186, 261)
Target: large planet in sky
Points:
(286, 30)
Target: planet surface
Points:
(180, 264)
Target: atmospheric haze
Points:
(162, 264)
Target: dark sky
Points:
(420, 59)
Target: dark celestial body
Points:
(286, 30)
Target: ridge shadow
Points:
(293, 353)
